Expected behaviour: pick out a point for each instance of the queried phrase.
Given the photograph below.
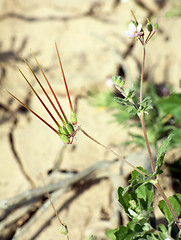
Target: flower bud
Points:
(73, 118)
(64, 138)
(155, 25)
(132, 204)
(63, 130)
(69, 127)
(149, 26)
(63, 229)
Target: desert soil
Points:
(93, 47)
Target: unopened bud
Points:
(64, 138)
(63, 130)
(155, 25)
(73, 118)
(149, 27)
(63, 229)
(69, 127)
(132, 204)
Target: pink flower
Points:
(133, 30)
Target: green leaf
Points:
(161, 153)
(152, 237)
(145, 195)
(137, 198)
(122, 101)
(135, 232)
(145, 105)
(118, 81)
(175, 142)
(127, 234)
(175, 201)
(137, 178)
(171, 105)
(163, 232)
(179, 234)
(110, 234)
(122, 233)
(128, 106)
(123, 198)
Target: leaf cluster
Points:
(164, 111)
(137, 201)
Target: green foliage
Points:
(110, 234)
(144, 106)
(171, 105)
(104, 100)
(136, 200)
(118, 81)
(175, 201)
(176, 139)
(161, 153)
(128, 106)
(164, 112)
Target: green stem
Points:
(110, 150)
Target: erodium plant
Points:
(137, 198)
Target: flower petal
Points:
(132, 27)
(129, 33)
(139, 27)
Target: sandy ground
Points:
(90, 37)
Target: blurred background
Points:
(93, 48)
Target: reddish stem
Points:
(134, 17)
(148, 39)
(65, 82)
(56, 99)
(109, 149)
(58, 125)
(43, 91)
(35, 114)
(147, 143)
(157, 185)
(148, 146)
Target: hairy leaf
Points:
(161, 153)
(175, 201)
